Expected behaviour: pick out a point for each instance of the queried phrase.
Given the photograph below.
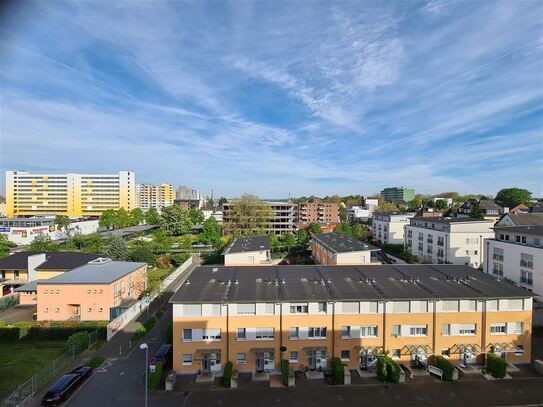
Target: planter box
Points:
(234, 381)
(402, 376)
(170, 381)
(455, 374)
(291, 380)
(346, 375)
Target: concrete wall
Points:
(261, 257)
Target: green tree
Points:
(344, 228)
(5, 246)
(441, 205)
(175, 220)
(289, 241)
(415, 204)
(63, 222)
(303, 238)
(152, 217)
(247, 215)
(511, 197)
(387, 207)
(196, 216)
(222, 201)
(343, 214)
(315, 228)
(117, 248)
(162, 242)
(141, 251)
(124, 219)
(274, 243)
(92, 243)
(42, 243)
(137, 216)
(211, 232)
(185, 241)
(360, 232)
(108, 219)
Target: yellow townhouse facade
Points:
(31, 194)
(254, 316)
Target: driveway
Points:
(18, 313)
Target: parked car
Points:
(66, 385)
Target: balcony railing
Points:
(527, 264)
(440, 242)
(431, 241)
(497, 257)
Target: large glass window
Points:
(187, 335)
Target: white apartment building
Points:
(516, 254)
(32, 194)
(358, 213)
(448, 240)
(208, 213)
(388, 228)
(154, 196)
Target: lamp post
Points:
(146, 347)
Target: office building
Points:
(246, 315)
(154, 196)
(398, 194)
(283, 220)
(31, 194)
(516, 254)
(448, 240)
(339, 249)
(251, 250)
(388, 228)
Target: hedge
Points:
(337, 370)
(79, 341)
(95, 362)
(49, 331)
(227, 375)
(142, 330)
(388, 370)
(285, 367)
(155, 378)
(447, 367)
(496, 366)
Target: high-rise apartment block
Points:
(154, 196)
(30, 194)
(398, 194)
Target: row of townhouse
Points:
(339, 249)
(448, 240)
(255, 316)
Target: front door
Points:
(260, 362)
(311, 360)
(206, 363)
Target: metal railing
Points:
(40, 379)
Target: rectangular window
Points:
(192, 310)
(246, 309)
(420, 330)
(519, 328)
(270, 308)
(264, 334)
(293, 357)
(294, 333)
(499, 328)
(446, 330)
(345, 331)
(187, 359)
(216, 310)
(516, 305)
(240, 358)
(241, 334)
(497, 269)
(211, 334)
(345, 356)
(449, 306)
(187, 335)
(526, 277)
(492, 305)
(400, 306)
(468, 305)
(322, 307)
(526, 260)
(396, 331)
(299, 309)
(466, 329)
(316, 332)
(350, 307)
(368, 331)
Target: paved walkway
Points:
(18, 313)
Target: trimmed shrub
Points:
(140, 333)
(496, 366)
(285, 371)
(388, 370)
(150, 323)
(155, 378)
(227, 375)
(95, 362)
(9, 334)
(446, 366)
(79, 341)
(337, 370)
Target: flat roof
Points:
(218, 284)
(100, 271)
(127, 231)
(248, 244)
(449, 220)
(527, 230)
(340, 243)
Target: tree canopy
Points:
(387, 207)
(511, 197)
(175, 220)
(211, 232)
(117, 248)
(5, 246)
(152, 217)
(42, 243)
(247, 215)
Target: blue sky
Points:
(272, 98)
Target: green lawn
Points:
(20, 360)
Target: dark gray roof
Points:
(127, 231)
(66, 260)
(448, 220)
(526, 219)
(96, 272)
(330, 283)
(31, 286)
(527, 230)
(248, 244)
(340, 243)
(16, 261)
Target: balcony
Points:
(431, 241)
(440, 243)
(498, 257)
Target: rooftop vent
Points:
(187, 282)
(303, 280)
(258, 280)
(100, 260)
(214, 269)
(236, 282)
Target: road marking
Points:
(105, 365)
(120, 374)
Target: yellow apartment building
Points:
(30, 194)
(342, 250)
(246, 315)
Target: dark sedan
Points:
(65, 386)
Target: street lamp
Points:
(146, 347)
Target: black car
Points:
(65, 386)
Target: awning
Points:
(503, 347)
(410, 349)
(463, 347)
(206, 351)
(369, 349)
(311, 348)
(263, 349)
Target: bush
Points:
(95, 362)
(155, 378)
(388, 370)
(285, 367)
(446, 366)
(150, 323)
(496, 366)
(49, 330)
(79, 341)
(178, 258)
(227, 375)
(9, 334)
(337, 370)
(140, 333)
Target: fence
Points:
(138, 307)
(39, 380)
(9, 301)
